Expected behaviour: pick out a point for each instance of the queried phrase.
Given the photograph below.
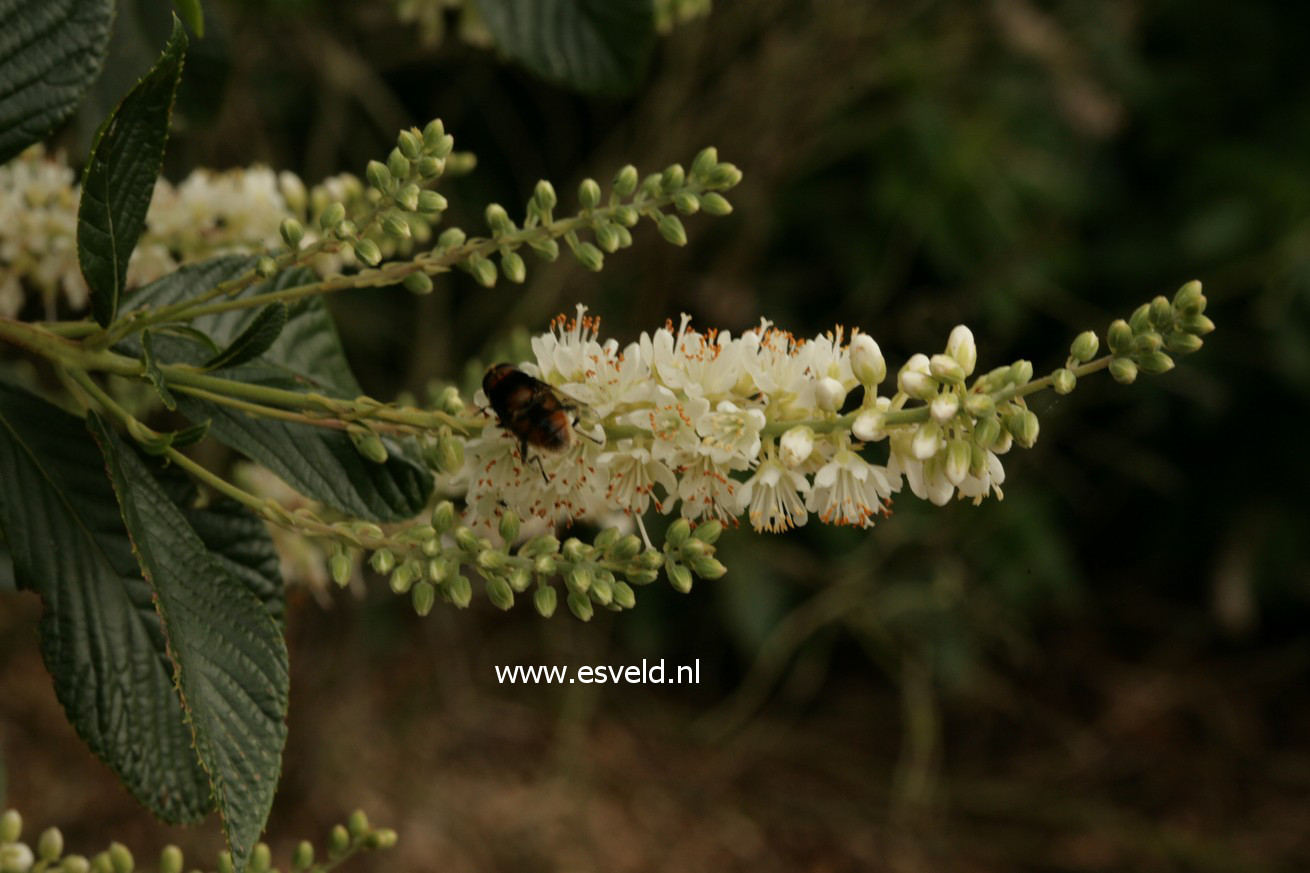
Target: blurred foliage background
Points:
(1105, 671)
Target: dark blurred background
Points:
(1105, 671)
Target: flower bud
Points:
(338, 841)
(499, 593)
(627, 548)
(680, 578)
(432, 133)
(546, 249)
(686, 202)
(347, 229)
(715, 204)
(120, 856)
(870, 426)
(544, 599)
(402, 578)
(624, 596)
(602, 589)
(1084, 346)
(430, 168)
(1162, 314)
(379, 177)
(341, 568)
(410, 144)
(449, 400)
(986, 432)
(544, 197)
(580, 606)
(673, 178)
(423, 595)
(705, 162)
(407, 197)
(914, 380)
(1021, 373)
(171, 860)
(509, 527)
(626, 216)
(292, 232)
(261, 859)
(625, 181)
(829, 395)
(961, 347)
(513, 268)
(444, 146)
(368, 252)
(370, 446)
(607, 236)
(708, 531)
(589, 194)
(443, 515)
(1120, 337)
(484, 271)
(519, 579)
(418, 283)
(430, 203)
(1183, 343)
(678, 533)
(225, 864)
(460, 590)
(382, 561)
(1063, 381)
(1146, 342)
(50, 845)
(544, 565)
(465, 538)
(672, 230)
(303, 857)
(1198, 325)
(1140, 320)
(979, 405)
(944, 407)
(293, 191)
(708, 567)
(382, 838)
(724, 176)
(1023, 426)
(867, 362)
(498, 219)
(795, 446)
(1155, 362)
(1189, 300)
(578, 579)
(397, 165)
(16, 858)
(395, 227)
(589, 256)
(331, 216)
(926, 441)
(958, 458)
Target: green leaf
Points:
(100, 635)
(50, 52)
(153, 374)
(230, 658)
(307, 356)
(598, 46)
(189, 436)
(120, 176)
(257, 338)
(192, 14)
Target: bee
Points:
(536, 413)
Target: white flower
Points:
(730, 433)
(796, 445)
(699, 365)
(986, 482)
(672, 425)
(633, 475)
(848, 490)
(555, 486)
(706, 489)
(867, 363)
(961, 347)
(772, 498)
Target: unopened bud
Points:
(395, 227)
(292, 232)
(261, 859)
(543, 197)
(418, 283)
(607, 236)
(410, 144)
(484, 271)
(724, 176)
(380, 177)
(443, 515)
(672, 230)
(708, 567)
(1120, 337)
(961, 347)
(460, 590)
(589, 194)
(686, 202)
(430, 203)
(1155, 362)
(1183, 343)
(171, 860)
(382, 561)
(429, 167)
(1146, 342)
(403, 577)
(1162, 314)
(589, 256)
(370, 446)
(331, 216)
(1140, 320)
(867, 362)
(1084, 346)
(958, 458)
(368, 252)
(1021, 373)
(1189, 300)
(580, 606)
(1023, 426)
(341, 568)
(715, 204)
(678, 533)
(1200, 325)
(986, 432)
(509, 527)
(625, 181)
(680, 578)
(303, 857)
(513, 268)
(1063, 380)
(914, 379)
(545, 600)
(578, 579)
(926, 441)
(15, 858)
(624, 596)
(829, 394)
(870, 426)
(944, 407)
(50, 845)
(795, 446)
(499, 593)
(673, 178)
(397, 165)
(338, 841)
(979, 405)
(120, 856)
(705, 162)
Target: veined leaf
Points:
(229, 655)
(257, 337)
(192, 14)
(100, 635)
(600, 46)
(120, 177)
(153, 373)
(50, 52)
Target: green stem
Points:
(218, 483)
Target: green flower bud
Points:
(451, 238)
(602, 589)
(430, 167)
(580, 606)
(1183, 343)
(1084, 346)
(382, 561)
(341, 568)
(1189, 300)
(424, 596)
(672, 230)
(347, 229)
(303, 857)
(705, 162)
(519, 579)
(544, 565)
(625, 181)
(1146, 342)
(708, 567)
(589, 194)
(11, 826)
(1063, 381)
(715, 204)
(686, 202)
(944, 407)
(543, 196)
(449, 452)
(466, 539)
(694, 548)
(979, 405)
(120, 856)
(652, 559)
(542, 545)
(589, 256)
(395, 227)
(410, 144)
(575, 549)
(1024, 427)
(383, 838)
(443, 516)
(418, 283)
(986, 432)
(75, 864)
(673, 178)
(101, 864)
(430, 203)
(680, 577)
(607, 236)
(626, 548)
(499, 593)
(379, 177)
(958, 457)
(1155, 362)
(1120, 337)
(498, 219)
(1162, 314)
(1021, 373)
(678, 533)
(513, 268)
(332, 216)
(407, 197)
(402, 578)
(724, 176)
(606, 538)
(368, 252)
(624, 596)
(170, 860)
(397, 165)
(261, 859)
(443, 146)
(433, 133)
(50, 845)
(546, 249)
(1198, 325)
(338, 841)
(483, 270)
(292, 232)
(626, 216)
(1140, 320)
(460, 590)
(509, 527)
(708, 531)
(578, 579)
(370, 446)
